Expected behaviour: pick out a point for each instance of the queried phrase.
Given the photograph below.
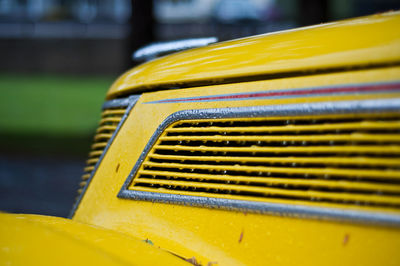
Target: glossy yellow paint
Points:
(366, 41)
(41, 240)
(234, 237)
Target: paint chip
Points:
(346, 239)
(241, 236)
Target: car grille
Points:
(110, 119)
(347, 160)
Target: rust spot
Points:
(346, 239)
(193, 261)
(117, 168)
(211, 263)
(241, 236)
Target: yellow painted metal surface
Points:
(236, 237)
(362, 42)
(41, 240)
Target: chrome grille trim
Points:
(296, 211)
(118, 103)
(340, 107)
(129, 103)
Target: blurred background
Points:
(59, 57)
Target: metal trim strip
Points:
(118, 103)
(267, 208)
(339, 107)
(128, 102)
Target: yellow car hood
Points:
(42, 240)
(367, 41)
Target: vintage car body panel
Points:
(41, 240)
(226, 236)
(338, 55)
(362, 42)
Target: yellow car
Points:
(278, 149)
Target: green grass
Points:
(51, 105)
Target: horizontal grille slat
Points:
(284, 160)
(98, 145)
(379, 149)
(344, 159)
(331, 184)
(324, 138)
(92, 161)
(95, 153)
(88, 168)
(111, 120)
(85, 177)
(106, 128)
(115, 112)
(104, 136)
(324, 172)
